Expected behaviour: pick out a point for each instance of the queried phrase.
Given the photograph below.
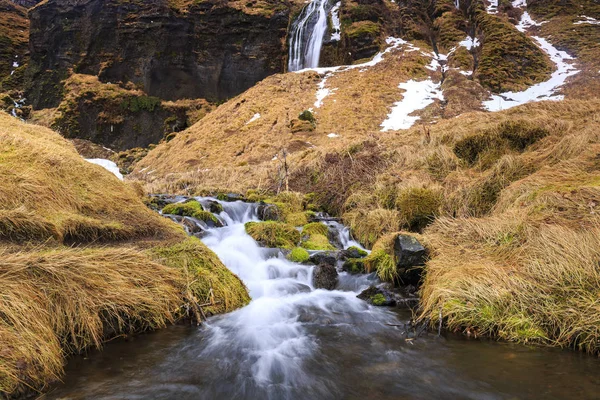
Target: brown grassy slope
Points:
(360, 101)
(57, 300)
(49, 191)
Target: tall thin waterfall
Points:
(307, 36)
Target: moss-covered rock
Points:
(298, 255)
(316, 241)
(354, 266)
(192, 209)
(274, 234)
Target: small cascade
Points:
(307, 35)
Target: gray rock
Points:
(324, 257)
(410, 257)
(325, 276)
(213, 206)
(269, 212)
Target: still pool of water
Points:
(294, 341)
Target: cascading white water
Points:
(307, 35)
(269, 335)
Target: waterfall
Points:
(307, 35)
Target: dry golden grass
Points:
(56, 300)
(65, 197)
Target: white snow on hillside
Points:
(254, 118)
(107, 165)
(542, 91)
(587, 20)
(492, 8)
(417, 95)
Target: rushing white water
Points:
(269, 337)
(307, 35)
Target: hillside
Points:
(86, 259)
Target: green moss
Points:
(363, 29)
(317, 241)
(361, 252)
(298, 255)
(274, 234)
(191, 209)
(378, 300)
(383, 263)
(141, 103)
(307, 115)
(315, 228)
(205, 275)
(509, 60)
(354, 266)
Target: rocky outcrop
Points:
(14, 28)
(209, 49)
(27, 3)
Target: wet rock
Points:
(325, 276)
(377, 297)
(352, 252)
(269, 212)
(159, 201)
(194, 226)
(230, 197)
(324, 257)
(411, 257)
(354, 266)
(386, 294)
(213, 206)
(334, 237)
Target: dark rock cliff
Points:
(172, 50)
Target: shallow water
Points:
(295, 342)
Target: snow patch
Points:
(254, 118)
(469, 43)
(417, 95)
(107, 165)
(336, 26)
(333, 135)
(587, 20)
(492, 8)
(541, 91)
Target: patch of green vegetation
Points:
(191, 209)
(509, 60)
(378, 300)
(207, 278)
(315, 228)
(298, 255)
(383, 263)
(363, 29)
(307, 115)
(141, 103)
(354, 266)
(274, 234)
(360, 252)
(317, 241)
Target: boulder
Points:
(377, 297)
(411, 256)
(269, 212)
(354, 266)
(325, 276)
(352, 252)
(193, 226)
(324, 257)
(213, 206)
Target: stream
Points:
(297, 342)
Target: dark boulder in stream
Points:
(324, 258)
(269, 212)
(325, 276)
(411, 256)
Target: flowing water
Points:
(297, 342)
(307, 33)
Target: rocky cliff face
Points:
(14, 28)
(168, 49)
(27, 3)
